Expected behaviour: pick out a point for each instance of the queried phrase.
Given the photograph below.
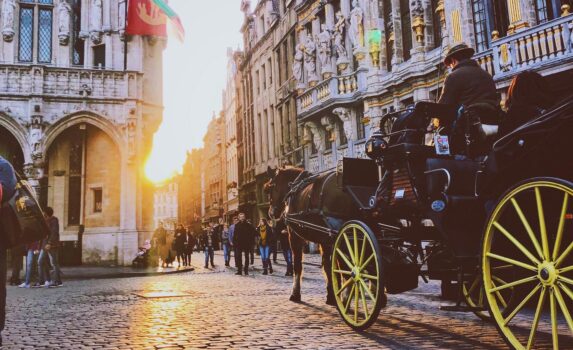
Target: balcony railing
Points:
(25, 80)
(544, 44)
(338, 87)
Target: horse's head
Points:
(277, 188)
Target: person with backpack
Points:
(49, 251)
(7, 191)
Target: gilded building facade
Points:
(77, 114)
(356, 60)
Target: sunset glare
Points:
(194, 77)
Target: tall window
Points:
(77, 42)
(98, 200)
(480, 25)
(35, 17)
(437, 25)
(406, 28)
(386, 10)
(547, 10)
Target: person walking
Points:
(243, 238)
(282, 234)
(7, 190)
(208, 242)
(32, 254)
(49, 252)
(266, 240)
(189, 245)
(17, 253)
(180, 238)
(232, 236)
(226, 244)
(274, 247)
(159, 242)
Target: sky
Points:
(195, 74)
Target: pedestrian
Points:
(231, 236)
(189, 245)
(243, 238)
(7, 190)
(49, 252)
(208, 242)
(159, 243)
(17, 253)
(226, 244)
(266, 240)
(285, 245)
(253, 246)
(180, 238)
(274, 248)
(32, 254)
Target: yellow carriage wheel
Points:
(474, 293)
(531, 228)
(357, 275)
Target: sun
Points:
(165, 161)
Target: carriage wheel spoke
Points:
(527, 227)
(356, 257)
(370, 277)
(553, 309)
(480, 297)
(368, 291)
(566, 269)
(563, 307)
(516, 243)
(344, 258)
(513, 284)
(561, 226)
(564, 255)
(344, 286)
(350, 296)
(521, 305)
(535, 323)
(511, 261)
(350, 249)
(343, 272)
(566, 290)
(565, 279)
(473, 286)
(364, 264)
(542, 226)
(363, 298)
(362, 251)
(356, 297)
(499, 296)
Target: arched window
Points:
(35, 16)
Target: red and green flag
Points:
(148, 17)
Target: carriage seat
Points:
(458, 175)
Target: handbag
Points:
(22, 220)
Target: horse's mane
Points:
(289, 171)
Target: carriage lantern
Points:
(375, 146)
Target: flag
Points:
(145, 18)
(173, 17)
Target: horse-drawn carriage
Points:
(500, 224)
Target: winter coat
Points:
(180, 238)
(266, 235)
(244, 236)
(54, 238)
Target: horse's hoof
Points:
(295, 298)
(331, 301)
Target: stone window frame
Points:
(91, 210)
(38, 7)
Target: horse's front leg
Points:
(297, 245)
(326, 251)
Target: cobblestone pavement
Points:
(222, 311)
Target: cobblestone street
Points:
(218, 310)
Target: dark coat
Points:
(468, 84)
(271, 239)
(244, 236)
(54, 237)
(180, 239)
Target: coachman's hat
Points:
(457, 49)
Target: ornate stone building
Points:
(231, 201)
(356, 60)
(214, 169)
(78, 122)
(166, 204)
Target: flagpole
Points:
(125, 37)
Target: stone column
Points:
(329, 15)
(418, 25)
(396, 35)
(441, 13)
(313, 36)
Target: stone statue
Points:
(339, 28)
(297, 64)
(64, 14)
(35, 139)
(344, 115)
(309, 50)
(317, 137)
(8, 9)
(96, 21)
(325, 49)
(416, 8)
(356, 31)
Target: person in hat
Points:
(467, 83)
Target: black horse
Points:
(313, 207)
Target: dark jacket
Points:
(7, 180)
(54, 237)
(244, 236)
(468, 84)
(180, 239)
(208, 239)
(270, 239)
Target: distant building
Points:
(214, 170)
(77, 122)
(231, 200)
(165, 204)
(189, 193)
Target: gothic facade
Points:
(77, 114)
